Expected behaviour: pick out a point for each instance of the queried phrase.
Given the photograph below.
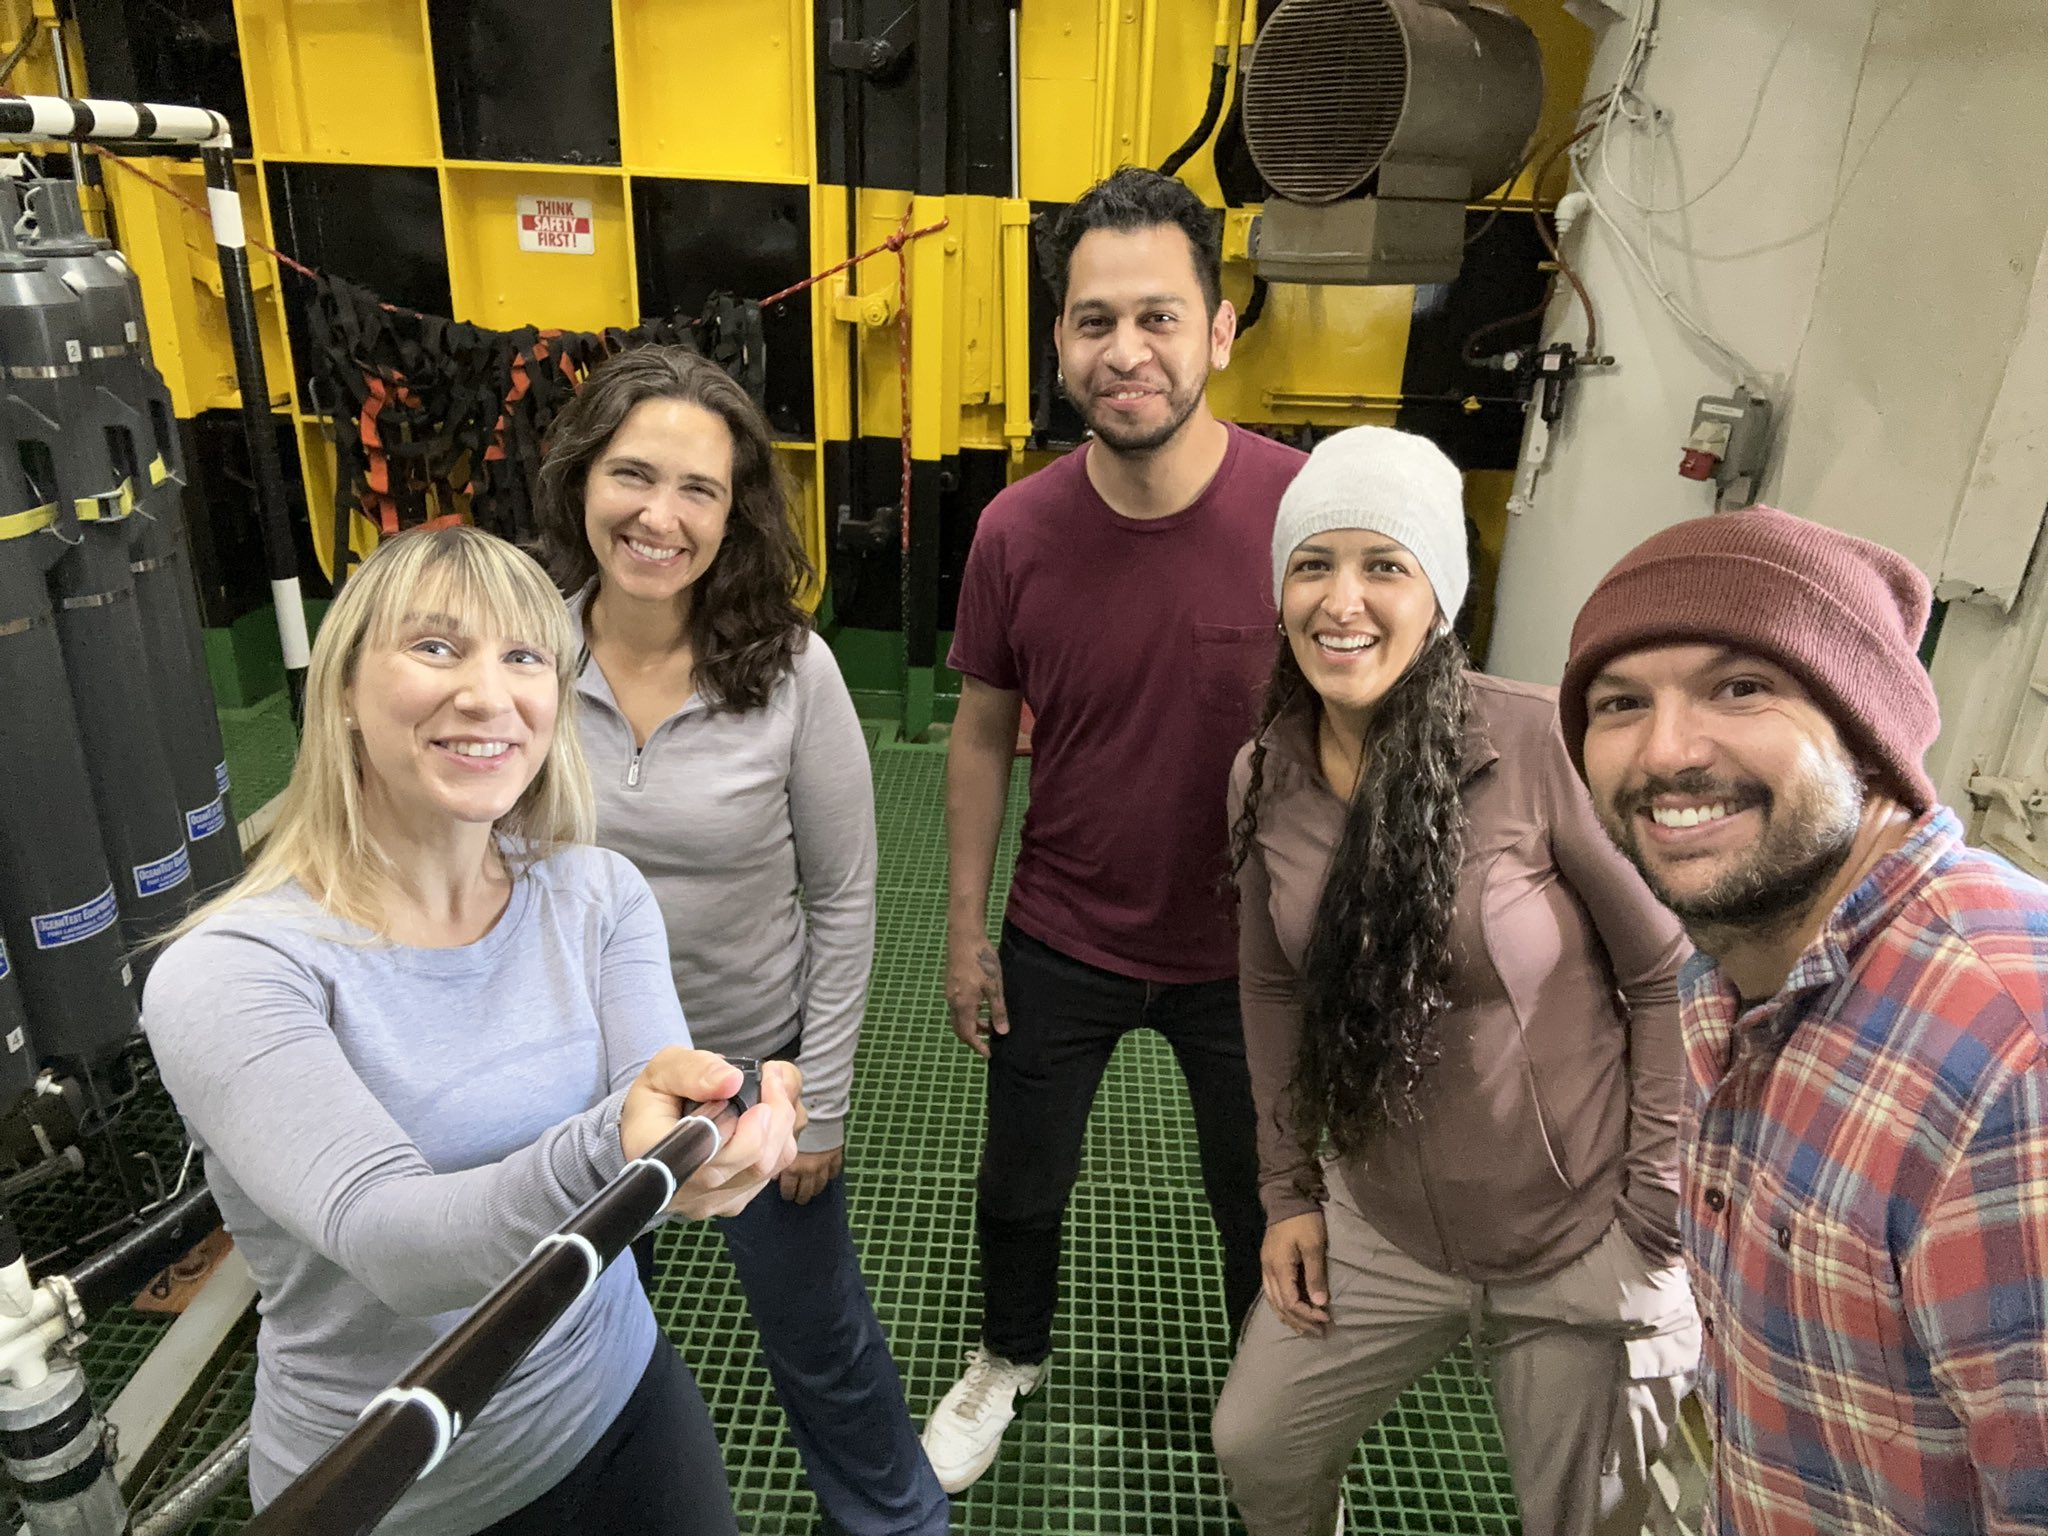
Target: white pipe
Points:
(17, 1293)
(42, 1305)
(1016, 95)
(25, 1357)
(55, 117)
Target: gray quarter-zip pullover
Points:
(757, 833)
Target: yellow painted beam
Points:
(1016, 321)
(930, 258)
(354, 82)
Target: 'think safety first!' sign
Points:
(559, 224)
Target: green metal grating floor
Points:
(1117, 1439)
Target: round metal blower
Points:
(1338, 88)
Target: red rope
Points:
(895, 243)
(202, 210)
(903, 236)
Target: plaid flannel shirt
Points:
(1865, 1209)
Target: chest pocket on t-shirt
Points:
(1232, 663)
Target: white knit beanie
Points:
(1384, 481)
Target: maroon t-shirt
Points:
(1142, 648)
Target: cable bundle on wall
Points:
(1591, 149)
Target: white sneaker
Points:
(966, 1430)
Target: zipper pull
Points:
(633, 773)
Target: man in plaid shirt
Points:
(1865, 1143)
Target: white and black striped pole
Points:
(279, 553)
(53, 117)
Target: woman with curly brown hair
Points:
(731, 769)
(1460, 1015)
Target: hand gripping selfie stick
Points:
(407, 1428)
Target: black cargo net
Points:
(432, 417)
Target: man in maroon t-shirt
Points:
(1124, 594)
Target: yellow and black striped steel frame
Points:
(1097, 83)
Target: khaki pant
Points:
(1588, 1368)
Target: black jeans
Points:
(1066, 1018)
(656, 1471)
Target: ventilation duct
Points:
(1373, 123)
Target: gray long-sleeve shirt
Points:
(733, 817)
(390, 1130)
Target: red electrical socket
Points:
(1704, 448)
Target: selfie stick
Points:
(407, 1428)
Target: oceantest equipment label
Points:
(220, 777)
(74, 925)
(206, 821)
(164, 874)
(4, 966)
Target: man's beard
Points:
(1180, 405)
(1804, 843)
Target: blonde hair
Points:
(320, 839)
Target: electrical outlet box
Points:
(1730, 444)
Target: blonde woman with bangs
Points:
(428, 1024)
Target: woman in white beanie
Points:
(1460, 1014)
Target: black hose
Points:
(1469, 352)
(1254, 306)
(1219, 75)
(20, 50)
(120, 1271)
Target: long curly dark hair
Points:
(745, 622)
(1377, 972)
